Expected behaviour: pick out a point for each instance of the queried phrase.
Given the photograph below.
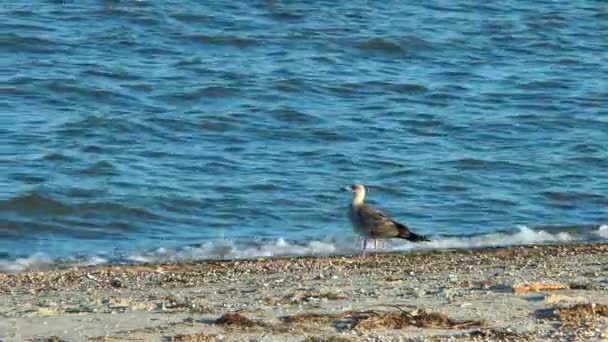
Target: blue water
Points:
(175, 128)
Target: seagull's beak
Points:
(346, 188)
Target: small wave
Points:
(115, 73)
(573, 196)
(375, 88)
(27, 178)
(69, 88)
(544, 84)
(101, 168)
(379, 45)
(234, 41)
(34, 202)
(18, 43)
(289, 115)
(116, 209)
(57, 157)
(234, 250)
(95, 125)
(41, 262)
(602, 231)
(191, 18)
(524, 236)
(290, 85)
(408, 88)
(187, 61)
(248, 249)
(482, 164)
(213, 91)
(392, 47)
(35, 262)
(327, 135)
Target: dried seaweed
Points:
(400, 320)
(329, 339)
(371, 320)
(235, 319)
(50, 339)
(197, 337)
(312, 318)
(581, 313)
(499, 335)
(583, 286)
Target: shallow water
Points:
(138, 127)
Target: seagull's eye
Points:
(354, 187)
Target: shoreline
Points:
(508, 293)
(214, 250)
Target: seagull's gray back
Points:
(373, 223)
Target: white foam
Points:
(34, 262)
(602, 231)
(227, 249)
(92, 260)
(524, 236)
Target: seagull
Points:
(371, 223)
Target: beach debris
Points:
(78, 309)
(237, 287)
(90, 276)
(372, 319)
(582, 286)
(196, 337)
(51, 339)
(329, 339)
(118, 304)
(563, 299)
(44, 311)
(235, 319)
(580, 313)
(173, 303)
(537, 287)
(400, 320)
(496, 335)
(115, 283)
(305, 297)
(578, 322)
(312, 318)
(476, 284)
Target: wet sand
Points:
(535, 293)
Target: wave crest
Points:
(249, 249)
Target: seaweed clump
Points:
(371, 320)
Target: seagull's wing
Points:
(376, 223)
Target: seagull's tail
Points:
(411, 236)
(407, 234)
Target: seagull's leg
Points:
(361, 243)
(364, 247)
(375, 247)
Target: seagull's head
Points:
(355, 188)
(358, 191)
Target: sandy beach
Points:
(532, 293)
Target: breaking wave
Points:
(234, 249)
